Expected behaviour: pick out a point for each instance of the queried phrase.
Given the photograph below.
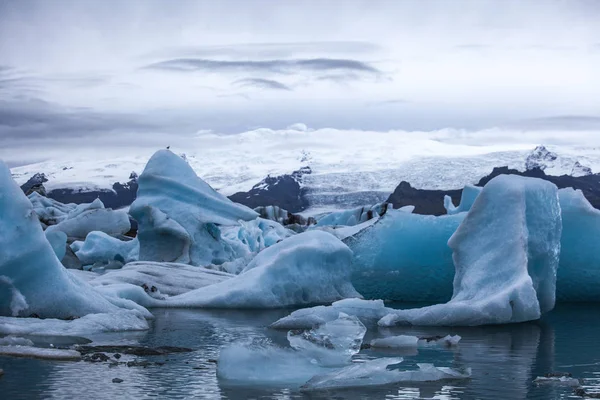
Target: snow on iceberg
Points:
(32, 279)
(102, 249)
(308, 268)
(178, 213)
(376, 372)
(405, 257)
(579, 271)
(506, 255)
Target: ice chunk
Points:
(125, 320)
(308, 268)
(396, 341)
(506, 255)
(333, 343)
(100, 248)
(264, 365)
(579, 271)
(58, 241)
(49, 211)
(368, 311)
(38, 352)
(111, 222)
(168, 278)
(354, 216)
(32, 278)
(560, 380)
(178, 214)
(375, 372)
(405, 257)
(467, 198)
(15, 341)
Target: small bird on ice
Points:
(168, 147)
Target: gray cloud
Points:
(389, 102)
(262, 83)
(560, 122)
(269, 50)
(271, 66)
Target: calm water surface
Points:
(504, 360)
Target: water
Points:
(504, 359)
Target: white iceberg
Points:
(331, 344)
(393, 342)
(178, 214)
(506, 255)
(308, 268)
(376, 372)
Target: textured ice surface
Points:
(32, 279)
(506, 255)
(101, 248)
(178, 214)
(405, 257)
(331, 344)
(557, 380)
(42, 353)
(353, 216)
(111, 222)
(308, 268)
(368, 311)
(579, 270)
(375, 372)
(15, 341)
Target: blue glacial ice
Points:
(101, 249)
(506, 254)
(352, 217)
(179, 214)
(467, 198)
(405, 257)
(32, 279)
(58, 241)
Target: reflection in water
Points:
(504, 360)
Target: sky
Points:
(110, 73)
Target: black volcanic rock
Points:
(121, 195)
(588, 184)
(283, 191)
(35, 184)
(427, 202)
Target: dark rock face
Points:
(283, 191)
(540, 158)
(427, 202)
(431, 202)
(35, 184)
(123, 194)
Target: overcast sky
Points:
(117, 71)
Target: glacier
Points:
(179, 214)
(506, 254)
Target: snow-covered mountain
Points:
(348, 168)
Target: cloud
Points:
(277, 66)
(262, 84)
(388, 102)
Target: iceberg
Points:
(393, 342)
(111, 222)
(32, 279)
(405, 257)
(467, 198)
(506, 254)
(375, 373)
(368, 311)
(331, 344)
(58, 241)
(354, 216)
(579, 271)
(100, 248)
(42, 353)
(179, 214)
(308, 268)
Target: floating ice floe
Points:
(557, 380)
(308, 268)
(402, 341)
(39, 352)
(376, 373)
(179, 214)
(506, 254)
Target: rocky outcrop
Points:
(284, 191)
(540, 158)
(35, 184)
(428, 202)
